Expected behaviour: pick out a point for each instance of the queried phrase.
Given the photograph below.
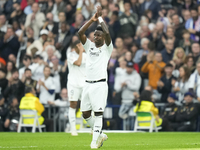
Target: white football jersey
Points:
(97, 60)
(76, 76)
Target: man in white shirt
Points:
(194, 81)
(76, 79)
(128, 83)
(35, 19)
(46, 87)
(95, 90)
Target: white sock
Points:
(97, 128)
(72, 119)
(90, 121)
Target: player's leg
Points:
(74, 94)
(98, 96)
(72, 117)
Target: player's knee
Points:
(98, 113)
(86, 114)
(73, 104)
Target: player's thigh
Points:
(85, 101)
(74, 93)
(98, 95)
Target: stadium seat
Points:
(33, 115)
(152, 125)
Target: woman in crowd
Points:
(180, 87)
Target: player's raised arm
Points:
(104, 26)
(82, 30)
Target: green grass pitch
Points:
(116, 141)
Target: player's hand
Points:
(94, 17)
(41, 83)
(173, 82)
(80, 47)
(99, 11)
(124, 84)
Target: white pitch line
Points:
(17, 147)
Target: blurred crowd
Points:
(157, 45)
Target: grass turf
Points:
(116, 141)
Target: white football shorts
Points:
(94, 96)
(74, 93)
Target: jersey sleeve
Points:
(109, 49)
(86, 46)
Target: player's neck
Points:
(98, 45)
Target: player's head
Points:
(98, 35)
(74, 46)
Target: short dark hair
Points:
(75, 43)
(151, 46)
(14, 70)
(27, 57)
(47, 67)
(169, 65)
(31, 40)
(195, 8)
(27, 69)
(28, 89)
(99, 28)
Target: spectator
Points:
(63, 39)
(27, 79)
(186, 42)
(189, 63)
(9, 44)
(3, 81)
(154, 67)
(3, 23)
(170, 109)
(38, 43)
(27, 9)
(146, 105)
(143, 51)
(187, 114)
(35, 19)
(63, 103)
(50, 25)
(181, 86)
(59, 6)
(128, 83)
(31, 102)
(56, 69)
(193, 24)
(114, 25)
(111, 74)
(10, 67)
(3, 113)
(157, 35)
(168, 52)
(15, 86)
(127, 21)
(46, 87)
(179, 57)
(188, 4)
(27, 63)
(18, 14)
(195, 51)
(86, 7)
(194, 81)
(71, 11)
(152, 5)
(186, 15)
(39, 62)
(12, 115)
(177, 26)
(119, 46)
(165, 83)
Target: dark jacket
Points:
(65, 44)
(15, 90)
(154, 7)
(170, 111)
(7, 48)
(166, 89)
(167, 56)
(179, 32)
(187, 114)
(3, 85)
